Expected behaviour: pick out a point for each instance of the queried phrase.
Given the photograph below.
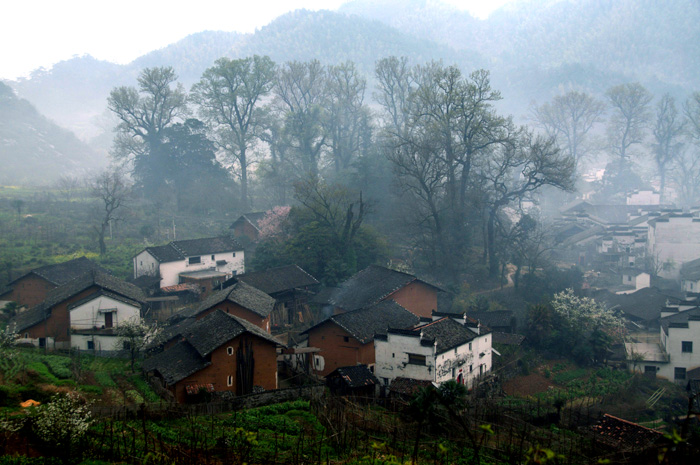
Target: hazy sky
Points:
(36, 33)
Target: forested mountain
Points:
(32, 147)
(533, 49)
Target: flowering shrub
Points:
(63, 421)
(271, 224)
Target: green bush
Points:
(59, 366)
(105, 379)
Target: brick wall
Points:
(339, 348)
(57, 325)
(29, 291)
(418, 298)
(236, 310)
(224, 365)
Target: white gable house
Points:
(442, 350)
(94, 320)
(169, 262)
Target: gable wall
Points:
(224, 365)
(29, 291)
(57, 326)
(236, 310)
(336, 352)
(145, 264)
(245, 229)
(88, 315)
(417, 298)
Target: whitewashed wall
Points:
(144, 263)
(676, 241)
(673, 347)
(92, 314)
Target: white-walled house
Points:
(442, 350)
(679, 348)
(95, 319)
(634, 280)
(673, 240)
(644, 197)
(690, 276)
(223, 254)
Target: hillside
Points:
(34, 148)
(532, 48)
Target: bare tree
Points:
(144, 113)
(668, 130)
(569, 118)
(112, 190)
(347, 120)
(68, 186)
(630, 116)
(229, 95)
(299, 99)
(513, 174)
(691, 108)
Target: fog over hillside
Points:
(533, 49)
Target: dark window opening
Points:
(195, 260)
(679, 373)
(416, 359)
(108, 320)
(212, 257)
(42, 342)
(687, 346)
(346, 339)
(91, 345)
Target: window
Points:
(471, 367)
(649, 369)
(229, 350)
(42, 342)
(386, 381)
(234, 254)
(687, 346)
(629, 278)
(212, 257)
(679, 373)
(91, 345)
(195, 260)
(393, 355)
(470, 346)
(108, 320)
(229, 381)
(416, 359)
(346, 339)
(455, 351)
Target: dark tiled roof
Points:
(252, 218)
(447, 333)
(105, 293)
(93, 278)
(217, 328)
(279, 279)
(408, 386)
(680, 319)
(644, 304)
(61, 273)
(176, 363)
(493, 318)
(179, 250)
(363, 324)
(691, 270)
(354, 376)
(240, 293)
(507, 339)
(625, 434)
(202, 337)
(371, 285)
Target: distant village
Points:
(226, 331)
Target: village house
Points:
(347, 339)
(239, 299)
(673, 240)
(245, 228)
(219, 352)
(291, 288)
(31, 288)
(437, 351)
(356, 380)
(678, 350)
(83, 313)
(690, 276)
(377, 283)
(179, 261)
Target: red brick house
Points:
(347, 339)
(49, 323)
(219, 352)
(377, 283)
(290, 286)
(31, 288)
(246, 226)
(239, 299)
